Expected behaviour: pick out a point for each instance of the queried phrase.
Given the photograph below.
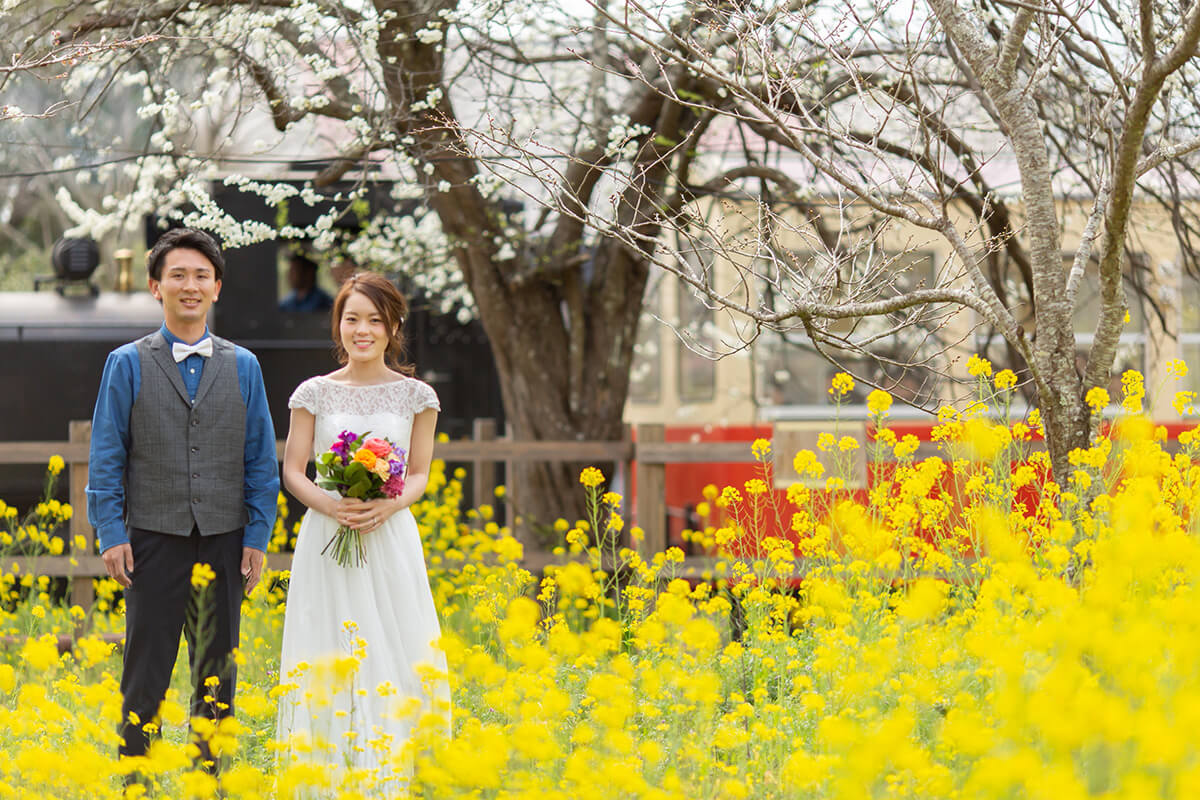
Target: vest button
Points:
(195, 422)
(195, 449)
(195, 501)
(195, 474)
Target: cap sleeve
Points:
(305, 397)
(427, 398)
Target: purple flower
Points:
(396, 466)
(342, 446)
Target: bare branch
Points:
(1084, 252)
(1166, 152)
(1124, 178)
(345, 162)
(1014, 43)
(69, 55)
(282, 112)
(1146, 25)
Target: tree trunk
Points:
(543, 401)
(562, 336)
(1067, 421)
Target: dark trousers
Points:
(160, 605)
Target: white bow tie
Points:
(181, 351)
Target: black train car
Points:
(53, 345)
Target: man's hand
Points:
(252, 567)
(119, 563)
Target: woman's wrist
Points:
(331, 506)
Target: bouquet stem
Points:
(346, 547)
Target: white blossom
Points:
(429, 35)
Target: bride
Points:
(359, 661)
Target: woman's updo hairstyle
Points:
(390, 304)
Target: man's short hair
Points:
(187, 238)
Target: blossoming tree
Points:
(458, 101)
(607, 122)
(36, 119)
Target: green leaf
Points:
(355, 472)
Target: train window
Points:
(790, 372)
(645, 374)
(305, 286)
(697, 337)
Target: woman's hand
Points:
(364, 515)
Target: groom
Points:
(182, 471)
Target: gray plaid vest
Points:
(186, 459)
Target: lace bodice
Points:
(385, 409)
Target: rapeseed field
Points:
(962, 627)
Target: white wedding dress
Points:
(357, 640)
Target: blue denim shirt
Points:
(119, 387)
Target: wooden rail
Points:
(644, 451)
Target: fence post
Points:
(651, 509)
(512, 498)
(483, 471)
(82, 590)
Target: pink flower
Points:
(394, 485)
(379, 447)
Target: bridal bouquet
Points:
(365, 469)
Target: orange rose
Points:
(379, 447)
(365, 457)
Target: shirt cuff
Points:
(112, 535)
(256, 537)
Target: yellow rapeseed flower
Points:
(806, 464)
(978, 367)
(756, 487)
(1097, 399)
(202, 576)
(1005, 379)
(1184, 403)
(1134, 387)
(906, 447)
(925, 600)
(41, 654)
(841, 385)
(591, 477)
(878, 402)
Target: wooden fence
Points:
(644, 448)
